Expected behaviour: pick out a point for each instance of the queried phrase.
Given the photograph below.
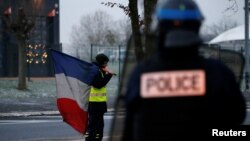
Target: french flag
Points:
(73, 78)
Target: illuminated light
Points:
(36, 53)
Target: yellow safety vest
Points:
(98, 95)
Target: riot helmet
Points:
(178, 23)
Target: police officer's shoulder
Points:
(215, 62)
(219, 66)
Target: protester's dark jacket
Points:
(159, 118)
(99, 82)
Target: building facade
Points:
(43, 36)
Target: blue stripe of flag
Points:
(73, 67)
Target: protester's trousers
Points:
(95, 127)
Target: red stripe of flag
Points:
(73, 114)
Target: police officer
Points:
(176, 90)
(98, 99)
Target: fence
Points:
(233, 59)
(122, 61)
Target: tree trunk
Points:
(133, 7)
(149, 8)
(22, 69)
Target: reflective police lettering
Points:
(173, 83)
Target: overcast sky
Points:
(72, 10)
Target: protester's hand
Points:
(107, 70)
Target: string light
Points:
(36, 54)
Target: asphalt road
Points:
(41, 128)
(50, 128)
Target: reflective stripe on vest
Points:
(98, 95)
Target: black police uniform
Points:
(162, 117)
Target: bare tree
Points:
(136, 23)
(148, 8)
(124, 29)
(211, 31)
(19, 23)
(97, 28)
(232, 8)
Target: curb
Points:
(38, 113)
(57, 113)
(26, 114)
(105, 138)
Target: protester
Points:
(98, 99)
